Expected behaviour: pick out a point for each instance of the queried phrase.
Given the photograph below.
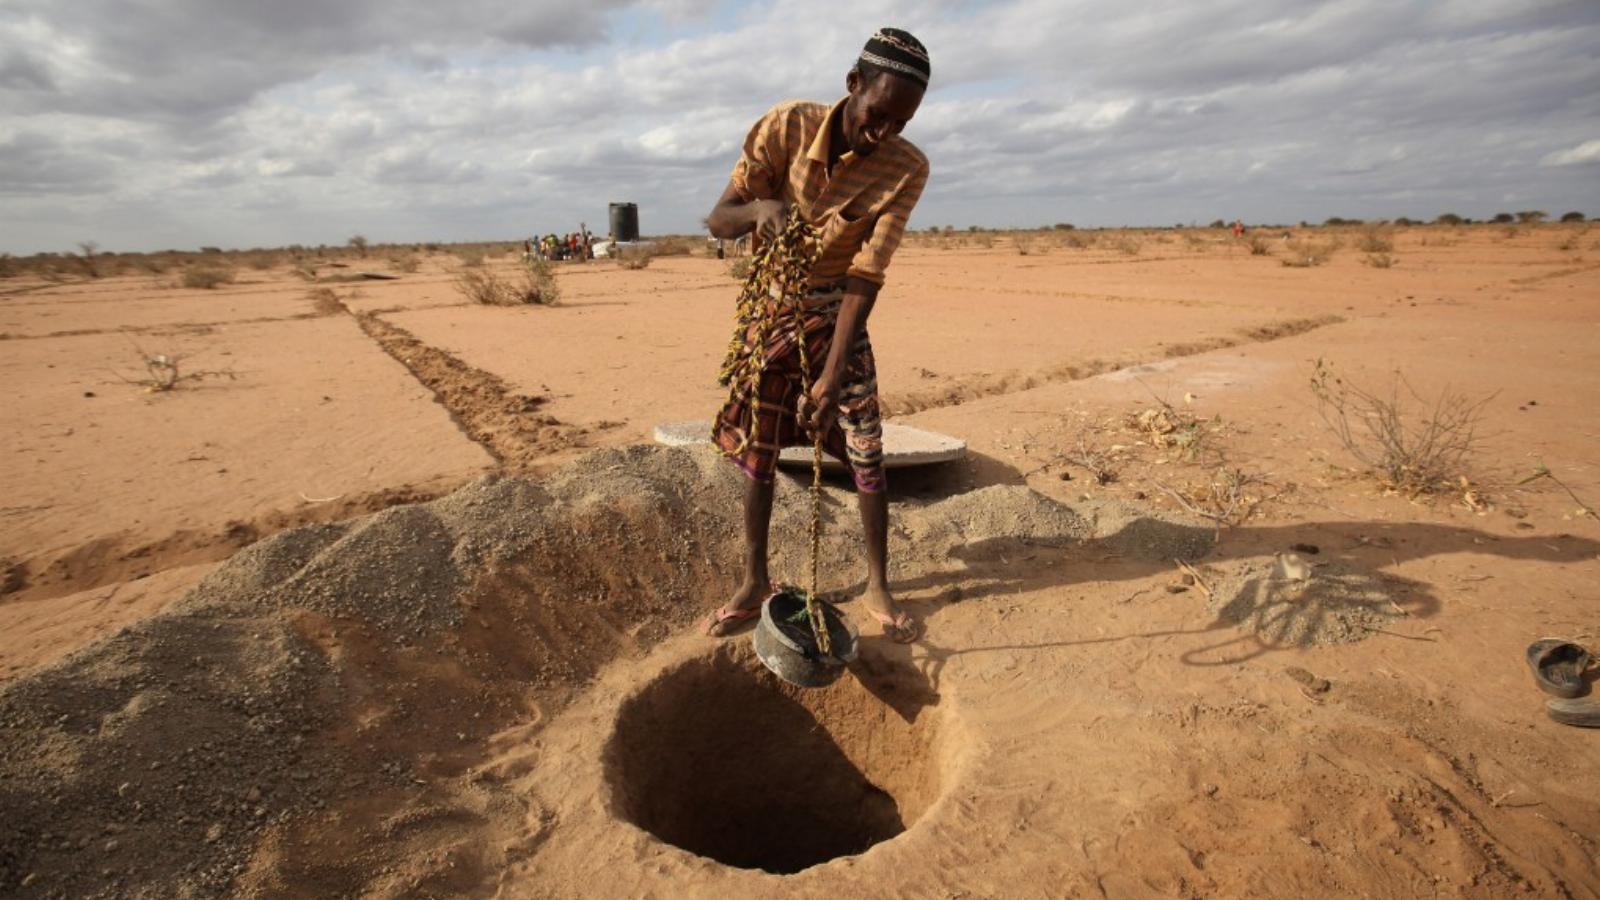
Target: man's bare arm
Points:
(735, 217)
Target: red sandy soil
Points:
(1083, 730)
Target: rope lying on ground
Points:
(778, 280)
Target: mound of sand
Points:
(325, 681)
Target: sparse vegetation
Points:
(739, 268)
(1126, 243)
(1375, 239)
(1412, 445)
(470, 258)
(88, 259)
(207, 276)
(1532, 216)
(1379, 260)
(358, 244)
(404, 262)
(1305, 254)
(164, 372)
(1258, 244)
(1228, 497)
(534, 284)
(1573, 216)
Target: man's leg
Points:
(757, 582)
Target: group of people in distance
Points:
(575, 245)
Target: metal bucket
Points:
(797, 664)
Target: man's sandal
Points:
(723, 621)
(900, 628)
(732, 618)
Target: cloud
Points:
(1586, 152)
(233, 123)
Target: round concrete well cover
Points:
(902, 445)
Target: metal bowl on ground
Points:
(785, 644)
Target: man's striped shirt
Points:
(860, 211)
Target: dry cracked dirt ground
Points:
(402, 608)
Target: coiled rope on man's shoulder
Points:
(778, 281)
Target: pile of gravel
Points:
(316, 668)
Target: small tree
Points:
(1532, 216)
(1449, 219)
(1503, 219)
(1573, 216)
(89, 264)
(359, 244)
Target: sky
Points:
(154, 124)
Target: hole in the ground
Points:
(722, 759)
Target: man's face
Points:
(877, 109)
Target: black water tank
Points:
(624, 221)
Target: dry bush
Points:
(1078, 240)
(164, 372)
(470, 258)
(1305, 254)
(1125, 243)
(635, 257)
(404, 262)
(324, 301)
(1374, 240)
(1025, 244)
(1379, 260)
(983, 240)
(1258, 244)
(1409, 443)
(740, 268)
(207, 276)
(1166, 427)
(8, 268)
(1228, 497)
(675, 245)
(1100, 464)
(534, 284)
(155, 263)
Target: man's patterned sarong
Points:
(856, 434)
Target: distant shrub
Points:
(1503, 218)
(1336, 220)
(1125, 243)
(673, 246)
(1573, 216)
(534, 285)
(1374, 240)
(1532, 216)
(207, 276)
(404, 262)
(1305, 254)
(1379, 260)
(470, 258)
(740, 268)
(1450, 219)
(1218, 223)
(1259, 245)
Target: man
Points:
(846, 169)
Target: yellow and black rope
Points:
(773, 291)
